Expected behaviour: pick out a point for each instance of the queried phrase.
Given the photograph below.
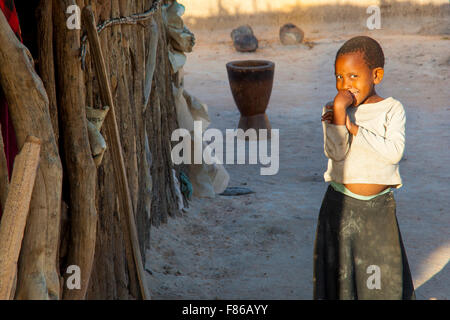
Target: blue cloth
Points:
(186, 186)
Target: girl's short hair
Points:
(370, 48)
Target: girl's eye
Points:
(353, 76)
(338, 77)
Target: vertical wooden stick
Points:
(14, 217)
(115, 144)
(80, 167)
(45, 24)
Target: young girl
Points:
(358, 251)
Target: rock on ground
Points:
(290, 34)
(244, 40)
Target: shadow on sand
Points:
(431, 288)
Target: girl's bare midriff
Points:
(366, 189)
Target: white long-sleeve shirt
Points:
(372, 156)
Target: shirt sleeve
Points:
(392, 145)
(336, 140)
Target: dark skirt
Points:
(358, 251)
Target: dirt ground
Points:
(260, 246)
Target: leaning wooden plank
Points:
(14, 217)
(115, 145)
(38, 272)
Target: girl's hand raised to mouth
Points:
(344, 99)
(336, 110)
(328, 117)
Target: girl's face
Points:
(353, 74)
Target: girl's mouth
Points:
(354, 93)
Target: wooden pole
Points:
(112, 132)
(80, 167)
(15, 214)
(45, 24)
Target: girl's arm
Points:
(336, 137)
(392, 145)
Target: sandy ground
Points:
(260, 246)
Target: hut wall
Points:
(63, 221)
(144, 130)
(125, 49)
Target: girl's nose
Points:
(347, 84)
